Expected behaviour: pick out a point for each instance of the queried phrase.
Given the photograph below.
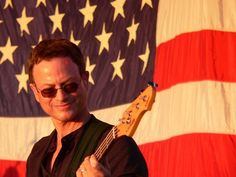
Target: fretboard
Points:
(105, 143)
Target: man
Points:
(60, 84)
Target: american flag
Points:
(117, 39)
(187, 46)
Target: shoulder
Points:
(98, 121)
(35, 157)
(40, 146)
(125, 145)
(125, 158)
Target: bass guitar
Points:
(130, 119)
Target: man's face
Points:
(61, 72)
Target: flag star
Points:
(117, 67)
(8, 3)
(148, 2)
(22, 79)
(132, 31)
(90, 69)
(88, 11)
(119, 8)
(144, 57)
(72, 39)
(57, 19)
(23, 21)
(41, 1)
(40, 39)
(7, 51)
(103, 39)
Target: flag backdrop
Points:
(187, 46)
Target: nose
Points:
(61, 95)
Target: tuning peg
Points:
(128, 120)
(153, 84)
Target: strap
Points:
(94, 129)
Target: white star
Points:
(117, 67)
(57, 19)
(148, 2)
(119, 8)
(72, 39)
(144, 57)
(7, 51)
(90, 69)
(22, 79)
(23, 21)
(40, 39)
(103, 38)
(41, 1)
(88, 11)
(8, 3)
(132, 31)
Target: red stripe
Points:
(12, 168)
(196, 56)
(195, 155)
(211, 155)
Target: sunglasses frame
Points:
(54, 93)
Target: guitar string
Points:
(107, 140)
(99, 152)
(105, 143)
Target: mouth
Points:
(63, 106)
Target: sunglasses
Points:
(52, 91)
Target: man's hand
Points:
(92, 168)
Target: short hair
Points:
(50, 48)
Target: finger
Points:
(82, 169)
(79, 173)
(86, 163)
(93, 161)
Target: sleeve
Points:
(124, 159)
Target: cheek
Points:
(45, 104)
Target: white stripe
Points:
(191, 107)
(19, 134)
(181, 16)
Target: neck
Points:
(65, 128)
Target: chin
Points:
(65, 116)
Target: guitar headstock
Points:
(133, 114)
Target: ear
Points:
(35, 91)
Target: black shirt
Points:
(122, 158)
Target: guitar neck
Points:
(105, 143)
(130, 119)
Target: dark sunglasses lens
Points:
(70, 88)
(49, 92)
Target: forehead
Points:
(55, 69)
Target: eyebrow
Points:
(61, 84)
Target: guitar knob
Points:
(129, 113)
(145, 98)
(128, 120)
